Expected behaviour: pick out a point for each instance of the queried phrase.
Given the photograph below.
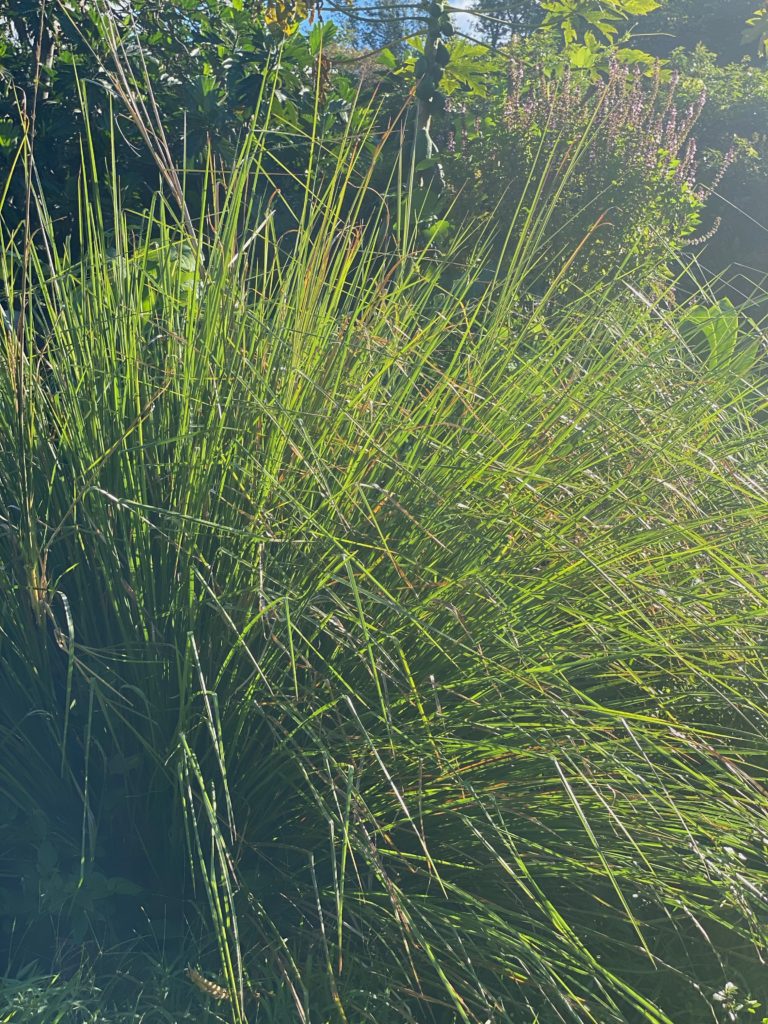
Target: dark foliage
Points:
(717, 24)
(204, 67)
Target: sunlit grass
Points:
(393, 652)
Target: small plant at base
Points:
(732, 1005)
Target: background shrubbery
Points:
(202, 70)
(733, 122)
(618, 153)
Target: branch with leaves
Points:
(757, 29)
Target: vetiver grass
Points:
(389, 652)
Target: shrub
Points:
(199, 72)
(733, 124)
(616, 152)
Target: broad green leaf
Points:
(639, 6)
(582, 56)
(387, 58)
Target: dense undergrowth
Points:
(389, 651)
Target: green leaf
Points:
(438, 229)
(582, 56)
(640, 6)
(627, 55)
(388, 59)
(469, 68)
(714, 332)
(320, 36)
(758, 30)
(722, 330)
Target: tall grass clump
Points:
(386, 653)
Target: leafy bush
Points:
(405, 648)
(733, 124)
(199, 71)
(688, 23)
(617, 153)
